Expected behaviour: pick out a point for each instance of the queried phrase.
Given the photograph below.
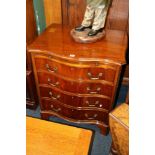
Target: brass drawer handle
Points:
(93, 117)
(92, 105)
(95, 78)
(54, 97)
(55, 69)
(93, 92)
(53, 84)
(54, 109)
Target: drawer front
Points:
(74, 113)
(96, 102)
(75, 86)
(93, 115)
(76, 71)
(72, 100)
(58, 108)
(59, 96)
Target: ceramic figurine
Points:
(92, 26)
(95, 16)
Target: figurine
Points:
(95, 16)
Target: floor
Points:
(101, 144)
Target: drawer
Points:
(93, 115)
(75, 86)
(47, 104)
(76, 71)
(76, 101)
(73, 113)
(96, 102)
(59, 96)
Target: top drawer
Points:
(76, 71)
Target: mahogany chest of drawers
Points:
(77, 82)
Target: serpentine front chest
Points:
(77, 82)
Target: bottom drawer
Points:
(83, 115)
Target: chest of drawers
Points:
(77, 82)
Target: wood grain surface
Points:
(52, 11)
(48, 138)
(57, 41)
(73, 12)
(119, 127)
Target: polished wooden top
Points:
(56, 40)
(49, 138)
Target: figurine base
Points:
(82, 37)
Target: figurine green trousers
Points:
(95, 14)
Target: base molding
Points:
(104, 129)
